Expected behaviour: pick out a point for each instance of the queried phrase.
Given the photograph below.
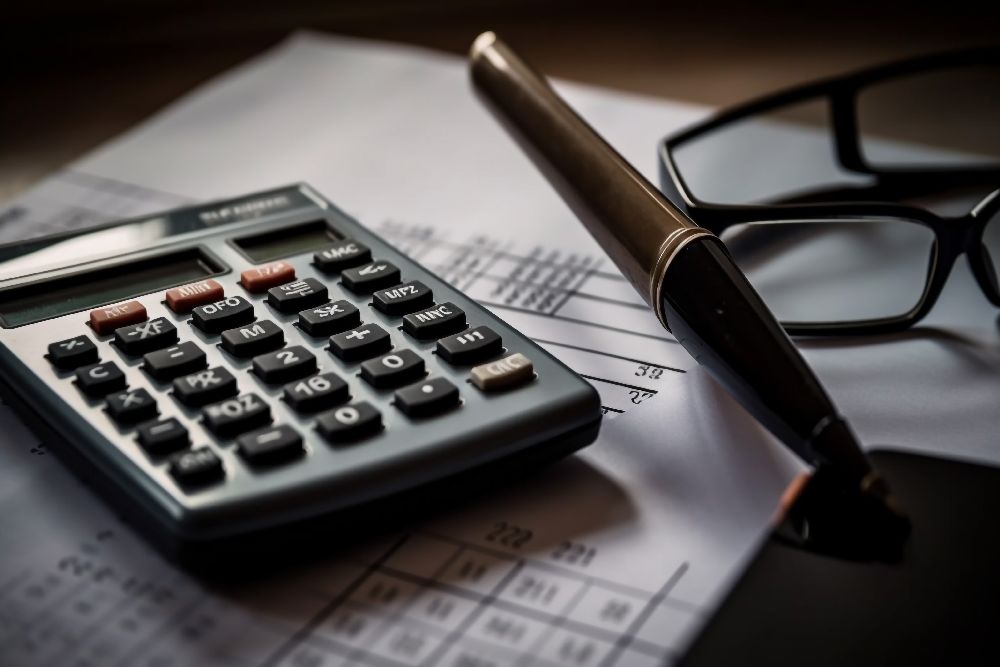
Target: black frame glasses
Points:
(879, 198)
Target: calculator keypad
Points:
(73, 353)
(182, 299)
(204, 387)
(299, 295)
(196, 467)
(404, 298)
(394, 369)
(163, 437)
(427, 398)
(349, 423)
(100, 379)
(361, 343)
(330, 318)
(316, 393)
(132, 406)
(105, 320)
(342, 255)
(262, 278)
(284, 365)
(370, 277)
(470, 346)
(233, 416)
(434, 322)
(270, 446)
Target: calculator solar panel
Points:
(225, 369)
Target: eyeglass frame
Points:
(953, 236)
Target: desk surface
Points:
(85, 73)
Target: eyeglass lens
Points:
(815, 271)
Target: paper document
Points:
(611, 558)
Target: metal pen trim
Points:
(671, 245)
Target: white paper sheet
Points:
(609, 558)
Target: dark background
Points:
(78, 73)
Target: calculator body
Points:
(57, 289)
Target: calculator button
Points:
(174, 361)
(182, 299)
(470, 346)
(100, 379)
(349, 422)
(134, 405)
(503, 373)
(363, 342)
(224, 314)
(204, 387)
(270, 446)
(342, 255)
(253, 339)
(393, 370)
(262, 278)
(370, 277)
(196, 467)
(162, 437)
(427, 398)
(146, 336)
(293, 297)
(330, 318)
(284, 365)
(435, 322)
(316, 393)
(404, 298)
(73, 353)
(107, 319)
(236, 415)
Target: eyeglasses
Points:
(847, 201)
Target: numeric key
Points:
(146, 336)
(393, 370)
(349, 423)
(73, 353)
(364, 342)
(285, 365)
(316, 393)
(370, 277)
(253, 339)
(233, 416)
(295, 296)
(165, 365)
(221, 315)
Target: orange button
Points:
(261, 278)
(107, 319)
(182, 299)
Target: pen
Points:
(687, 276)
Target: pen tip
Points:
(481, 43)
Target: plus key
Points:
(361, 343)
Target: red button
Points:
(107, 319)
(263, 278)
(182, 299)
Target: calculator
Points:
(230, 368)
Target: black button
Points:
(174, 361)
(221, 315)
(435, 322)
(100, 379)
(73, 353)
(269, 446)
(253, 339)
(363, 342)
(196, 467)
(146, 336)
(342, 255)
(470, 346)
(293, 297)
(370, 277)
(317, 392)
(330, 318)
(285, 365)
(236, 415)
(162, 437)
(134, 405)
(204, 387)
(427, 398)
(393, 370)
(404, 298)
(349, 422)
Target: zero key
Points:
(107, 319)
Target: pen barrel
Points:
(719, 318)
(626, 214)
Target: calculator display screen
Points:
(286, 241)
(83, 290)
